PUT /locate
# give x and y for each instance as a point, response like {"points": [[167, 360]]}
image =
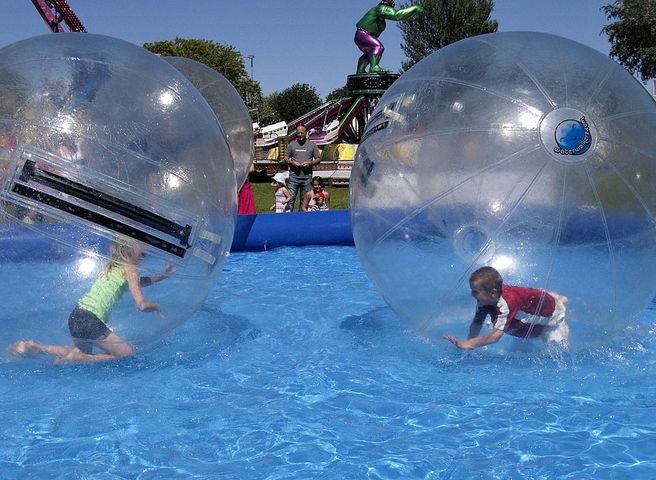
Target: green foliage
{"points": [[293, 101], [12, 98], [444, 22], [633, 35], [225, 59], [340, 92], [266, 115]]}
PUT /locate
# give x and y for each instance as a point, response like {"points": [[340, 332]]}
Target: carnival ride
{"points": [[339, 121], [59, 16], [342, 119]]}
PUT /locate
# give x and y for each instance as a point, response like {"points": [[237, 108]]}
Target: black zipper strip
{"points": [[103, 200], [98, 218]]}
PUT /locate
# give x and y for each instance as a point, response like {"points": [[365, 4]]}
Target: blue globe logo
{"points": [[572, 137]]}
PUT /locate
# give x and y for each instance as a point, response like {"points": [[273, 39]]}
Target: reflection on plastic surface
{"points": [[516, 150], [228, 107], [100, 142]]}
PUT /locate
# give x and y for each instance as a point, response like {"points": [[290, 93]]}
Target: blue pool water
{"points": [[295, 368]]}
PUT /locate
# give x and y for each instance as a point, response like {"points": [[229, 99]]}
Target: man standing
{"points": [[371, 26], [301, 155]]}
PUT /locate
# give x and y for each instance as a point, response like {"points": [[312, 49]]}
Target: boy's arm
{"points": [[474, 330], [478, 341]]}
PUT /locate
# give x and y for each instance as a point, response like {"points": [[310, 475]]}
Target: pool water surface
{"points": [[296, 368]]}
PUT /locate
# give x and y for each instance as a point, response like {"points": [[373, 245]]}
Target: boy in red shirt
{"points": [[518, 311]]}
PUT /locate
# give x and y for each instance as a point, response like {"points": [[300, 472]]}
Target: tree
{"points": [[444, 22], [340, 92], [294, 101], [265, 114], [633, 35], [225, 59]]}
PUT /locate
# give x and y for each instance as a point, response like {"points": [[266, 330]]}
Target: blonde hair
{"points": [[119, 254]]}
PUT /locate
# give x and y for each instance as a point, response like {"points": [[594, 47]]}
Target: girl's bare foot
{"points": [[27, 347]]}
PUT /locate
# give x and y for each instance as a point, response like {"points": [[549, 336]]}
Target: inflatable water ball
{"points": [[228, 107], [524, 151], [103, 144]]}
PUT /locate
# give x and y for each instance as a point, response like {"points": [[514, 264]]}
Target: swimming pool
{"points": [[295, 368]]}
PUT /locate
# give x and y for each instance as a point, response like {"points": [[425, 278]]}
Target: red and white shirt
{"points": [[520, 311]]}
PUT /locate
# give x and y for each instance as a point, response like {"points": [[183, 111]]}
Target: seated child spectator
{"points": [[281, 194], [518, 311], [319, 203], [309, 199]]}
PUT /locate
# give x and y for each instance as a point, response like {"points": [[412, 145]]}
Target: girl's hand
{"points": [[148, 306], [154, 307]]}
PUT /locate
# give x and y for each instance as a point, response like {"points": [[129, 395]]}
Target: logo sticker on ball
{"points": [[573, 137], [568, 135]]}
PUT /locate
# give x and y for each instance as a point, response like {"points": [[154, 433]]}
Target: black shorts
{"points": [[86, 328]]}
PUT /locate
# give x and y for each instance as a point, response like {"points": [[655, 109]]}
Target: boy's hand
{"points": [[463, 344]]}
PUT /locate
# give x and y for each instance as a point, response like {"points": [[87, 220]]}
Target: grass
{"points": [[263, 193]]}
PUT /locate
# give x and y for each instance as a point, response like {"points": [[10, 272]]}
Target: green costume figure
{"points": [[371, 26]]}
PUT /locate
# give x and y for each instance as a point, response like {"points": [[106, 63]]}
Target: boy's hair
{"points": [[488, 278]]}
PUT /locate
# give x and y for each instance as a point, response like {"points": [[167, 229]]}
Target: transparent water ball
{"points": [[100, 142], [229, 108], [524, 151]]}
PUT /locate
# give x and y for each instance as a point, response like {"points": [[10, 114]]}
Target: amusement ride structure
{"points": [[340, 121], [343, 120], [336, 123], [59, 16]]}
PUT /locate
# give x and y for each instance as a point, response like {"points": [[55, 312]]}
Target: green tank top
{"points": [[108, 288]]}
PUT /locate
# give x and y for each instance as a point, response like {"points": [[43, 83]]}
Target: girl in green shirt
{"points": [[87, 322]]}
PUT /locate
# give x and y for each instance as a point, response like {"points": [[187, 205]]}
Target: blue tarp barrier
{"points": [[297, 229], [252, 233]]}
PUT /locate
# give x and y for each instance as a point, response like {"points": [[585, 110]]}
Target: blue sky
{"points": [[293, 42]]}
